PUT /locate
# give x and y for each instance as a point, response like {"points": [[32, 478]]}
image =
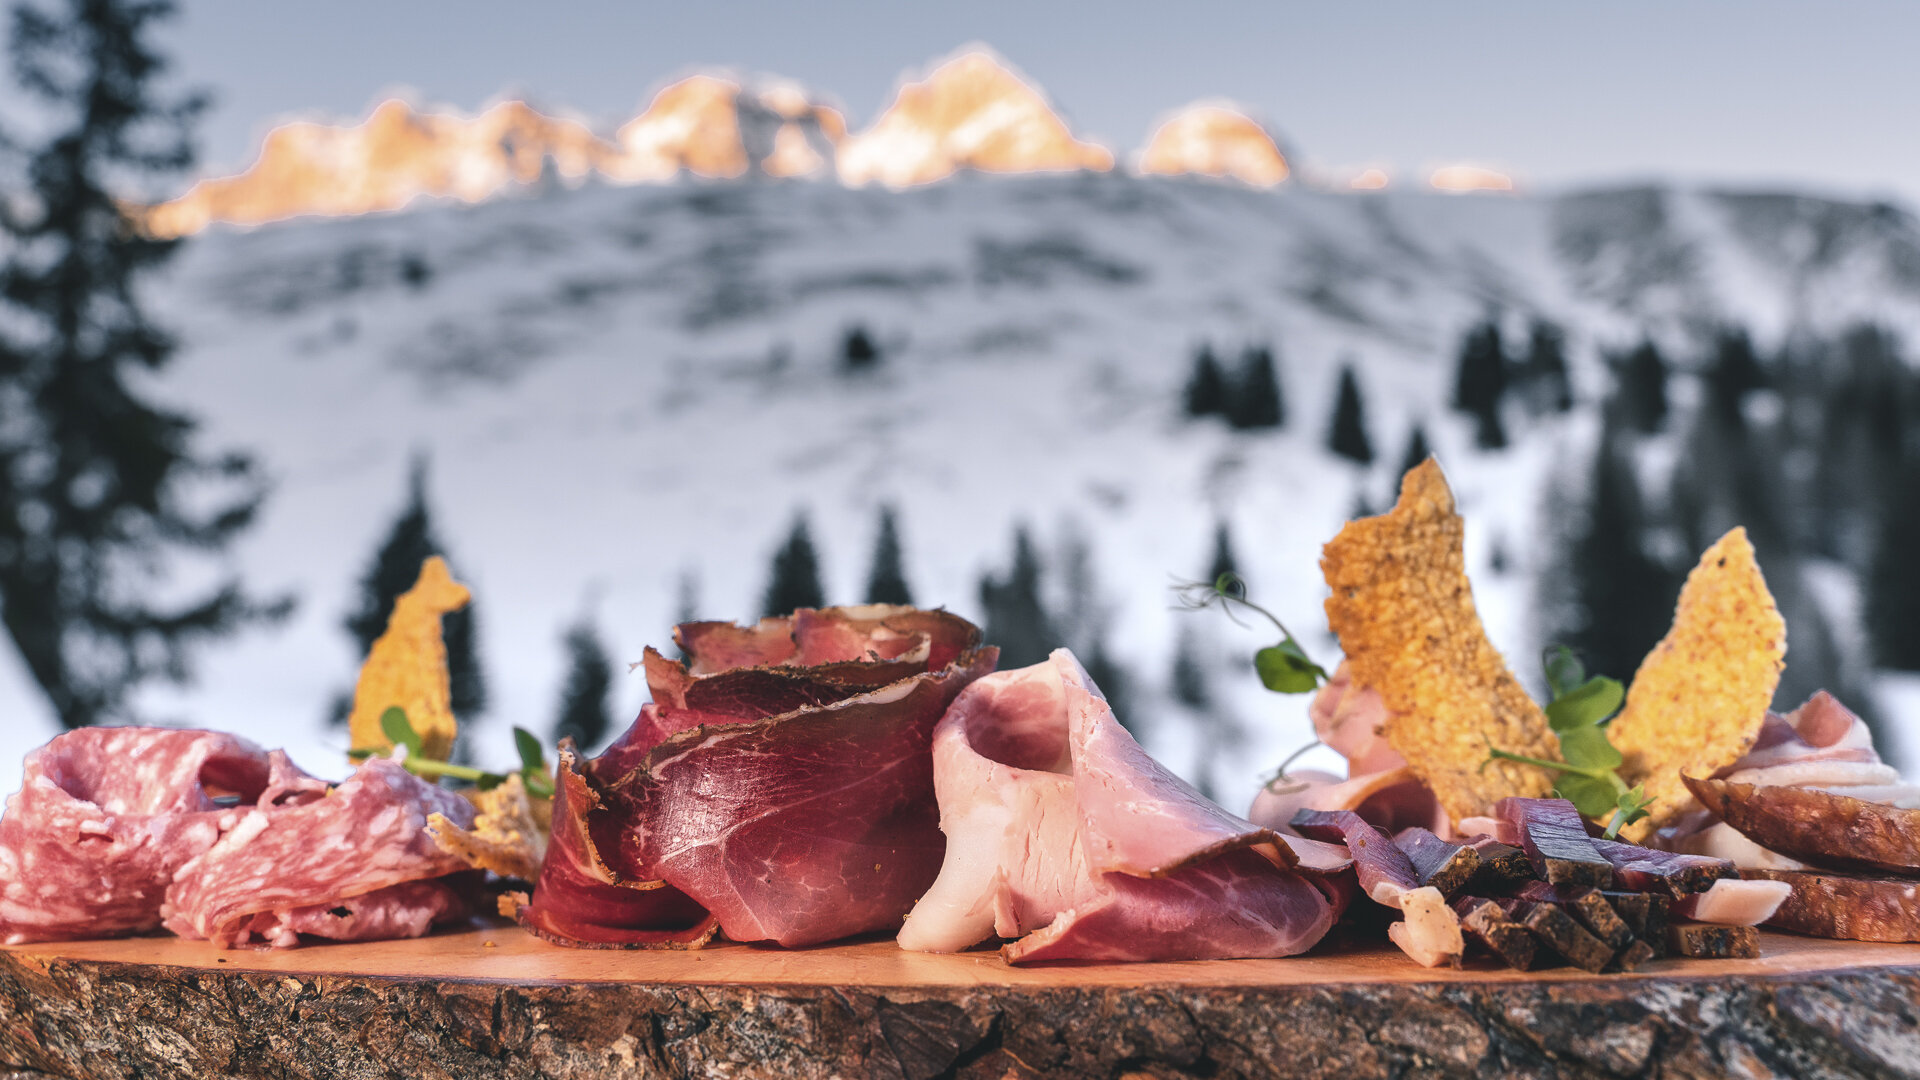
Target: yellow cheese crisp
{"points": [[407, 667]]}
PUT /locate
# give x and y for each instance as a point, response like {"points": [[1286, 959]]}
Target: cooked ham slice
{"points": [[104, 818], [1352, 721], [1062, 829]]}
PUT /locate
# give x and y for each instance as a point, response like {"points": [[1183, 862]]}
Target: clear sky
{"points": [[1822, 93]]}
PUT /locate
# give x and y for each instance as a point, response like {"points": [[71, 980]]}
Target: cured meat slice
{"points": [[1489, 924], [1586, 904], [1734, 902], [779, 786], [1706, 941], [104, 818], [1817, 827], [1556, 929], [1846, 907], [1385, 872], [1060, 828], [1393, 799], [1554, 836], [367, 834], [1645, 869], [1445, 865], [1352, 720], [406, 910], [1502, 866]]}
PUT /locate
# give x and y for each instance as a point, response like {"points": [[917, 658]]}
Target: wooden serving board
{"points": [[491, 1001]]}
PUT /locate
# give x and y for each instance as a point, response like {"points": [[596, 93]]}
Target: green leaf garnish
{"points": [[1586, 705], [533, 758], [1588, 777], [1283, 667], [399, 730], [1564, 670]]}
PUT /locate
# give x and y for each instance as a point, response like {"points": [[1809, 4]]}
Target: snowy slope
{"points": [[619, 386]]}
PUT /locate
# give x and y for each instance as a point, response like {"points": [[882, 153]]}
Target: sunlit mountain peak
{"points": [[1215, 139], [1370, 179], [397, 154], [1469, 178], [970, 112], [715, 127]]}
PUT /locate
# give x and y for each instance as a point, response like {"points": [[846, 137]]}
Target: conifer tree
{"points": [[395, 567], [1206, 389], [1480, 380], [887, 580], [1550, 385], [585, 714], [1255, 401], [1016, 615], [1417, 450], [1734, 373], [1893, 589], [1223, 560], [1084, 619], [1348, 434], [858, 353], [1642, 396], [1622, 600], [100, 488], [795, 579], [1189, 681]]}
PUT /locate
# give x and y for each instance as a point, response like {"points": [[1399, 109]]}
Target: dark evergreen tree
{"points": [[795, 580], [1189, 681], [1255, 400], [100, 488], [1893, 583], [1084, 620], [1348, 434], [858, 352], [1417, 450], [395, 567], [1549, 384], [1642, 397], [887, 580], [1016, 615], [1734, 373], [1480, 383], [1206, 390], [1223, 560], [585, 711], [1621, 599]]}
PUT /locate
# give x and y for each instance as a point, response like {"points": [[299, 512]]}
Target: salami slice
{"points": [[406, 910], [104, 818], [310, 850]]}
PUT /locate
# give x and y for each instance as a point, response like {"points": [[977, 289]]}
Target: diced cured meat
{"points": [[1063, 833], [1445, 865], [1734, 902], [406, 910], [1841, 906], [1429, 930], [1489, 924], [1646, 915], [104, 818], [1587, 905], [1559, 931], [1645, 869], [1502, 866], [1384, 870], [1554, 836], [1706, 941], [781, 781], [1636, 954], [1817, 827], [368, 834]]}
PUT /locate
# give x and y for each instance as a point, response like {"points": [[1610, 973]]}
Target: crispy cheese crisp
{"points": [[1700, 696], [1403, 609], [506, 837], [407, 666]]}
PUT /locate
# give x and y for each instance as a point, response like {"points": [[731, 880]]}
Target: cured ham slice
{"points": [[311, 849], [104, 818], [1063, 832], [779, 786]]}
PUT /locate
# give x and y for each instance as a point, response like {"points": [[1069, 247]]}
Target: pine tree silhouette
{"points": [[1550, 386], [99, 487], [1622, 599], [858, 353], [1189, 681], [1223, 560], [795, 580], [887, 580], [585, 715], [1417, 450], [1016, 616], [1642, 396], [1734, 374], [1348, 435], [1255, 400], [1480, 383], [1206, 389], [1893, 592], [394, 569]]}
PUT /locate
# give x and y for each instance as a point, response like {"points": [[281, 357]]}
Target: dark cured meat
{"points": [[1554, 836], [1502, 866], [1384, 871], [1587, 905], [105, 816], [1636, 954], [1645, 914], [1558, 930], [366, 834], [791, 798], [1444, 865], [1646, 870], [1489, 924], [1817, 827], [1708, 941], [1850, 908]]}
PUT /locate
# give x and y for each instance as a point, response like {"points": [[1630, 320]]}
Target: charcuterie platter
{"points": [[493, 1001]]}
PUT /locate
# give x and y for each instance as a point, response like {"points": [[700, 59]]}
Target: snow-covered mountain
{"points": [[622, 387]]}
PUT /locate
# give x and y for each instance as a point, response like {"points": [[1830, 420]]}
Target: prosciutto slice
{"points": [[779, 787], [305, 846], [104, 818], [1062, 832]]}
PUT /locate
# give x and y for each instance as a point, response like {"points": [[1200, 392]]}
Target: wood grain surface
{"points": [[485, 1002]]}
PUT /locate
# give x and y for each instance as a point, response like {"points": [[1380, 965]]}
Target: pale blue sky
{"points": [[1824, 94]]}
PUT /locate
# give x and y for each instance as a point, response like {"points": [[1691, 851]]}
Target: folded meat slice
{"points": [[1817, 827], [104, 818], [406, 910], [779, 786], [1062, 829], [367, 834]]}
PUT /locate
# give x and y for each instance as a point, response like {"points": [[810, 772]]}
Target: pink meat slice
{"points": [[406, 910], [1352, 720], [367, 834], [104, 818]]}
